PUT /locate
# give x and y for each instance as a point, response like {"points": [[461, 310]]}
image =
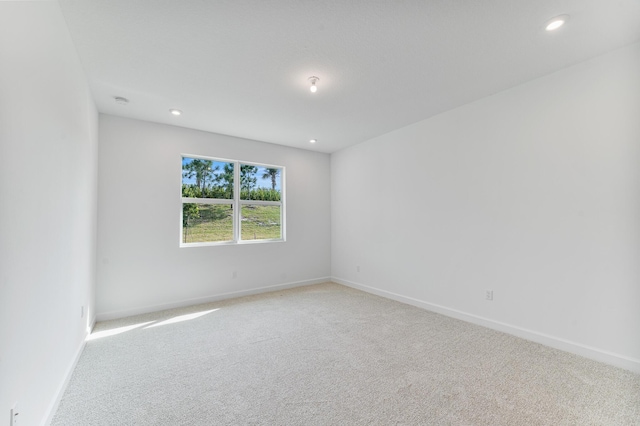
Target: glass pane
{"points": [[260, 222], [260, 183], [206, 222], [206, 178]]}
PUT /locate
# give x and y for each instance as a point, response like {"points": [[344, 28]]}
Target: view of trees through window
{"points": [[208, 199]]}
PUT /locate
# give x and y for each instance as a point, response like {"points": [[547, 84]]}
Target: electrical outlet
{"points": [[235, 274], [81, 311], [488, 294], [358, 268], [14, 417]]}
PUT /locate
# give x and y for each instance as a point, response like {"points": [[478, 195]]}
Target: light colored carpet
{"points": [[330, 355]]}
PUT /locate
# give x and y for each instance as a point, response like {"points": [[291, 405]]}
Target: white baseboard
{"points": [[617, 360], [105, 316], [53, 406]]}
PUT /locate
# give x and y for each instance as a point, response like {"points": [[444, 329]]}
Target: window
{"points": [[226, 201]]}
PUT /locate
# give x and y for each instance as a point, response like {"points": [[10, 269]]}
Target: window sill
{"points": [[231, 243]]}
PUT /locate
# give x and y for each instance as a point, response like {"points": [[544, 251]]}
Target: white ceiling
{"points": [[240, 67]]}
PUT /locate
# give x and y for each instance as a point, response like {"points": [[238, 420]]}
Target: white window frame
{"points": [[236, 202]]}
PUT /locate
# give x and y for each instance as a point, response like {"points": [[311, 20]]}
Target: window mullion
{"points": [[236, 201], [261, 203], [206, 200]]}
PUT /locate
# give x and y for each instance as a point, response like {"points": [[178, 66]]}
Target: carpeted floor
{"points": [[330, 355]]}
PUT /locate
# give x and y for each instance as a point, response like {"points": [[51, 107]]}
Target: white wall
{"points": [[140, 264], [48, 183], [533, 192]]}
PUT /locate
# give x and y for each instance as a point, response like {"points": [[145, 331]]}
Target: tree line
{"points": [[215, 182]]}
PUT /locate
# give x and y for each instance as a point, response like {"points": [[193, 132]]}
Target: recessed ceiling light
{"points": [[557, 22], [313, 80], [313, 141], [175, 111], [121, 101]]}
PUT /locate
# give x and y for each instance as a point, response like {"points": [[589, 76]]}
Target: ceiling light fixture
{"points": [[313, 80], [313, 141], [557, 22], [121, 101], [175, 111]]}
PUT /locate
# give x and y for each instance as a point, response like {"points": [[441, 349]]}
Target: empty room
{"points": [[319, 212]]}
